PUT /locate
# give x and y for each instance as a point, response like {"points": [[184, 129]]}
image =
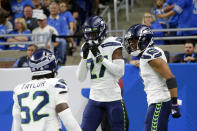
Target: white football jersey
{"points": [[36, 102], [104, 85], [155, 85]]}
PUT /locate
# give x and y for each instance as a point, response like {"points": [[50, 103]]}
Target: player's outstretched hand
{"points": [[175, 111], [85, 50]]}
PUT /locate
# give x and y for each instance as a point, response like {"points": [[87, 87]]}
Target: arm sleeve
{"points": [[16, 123], [69, 121], [82, 70], [116, 67]]}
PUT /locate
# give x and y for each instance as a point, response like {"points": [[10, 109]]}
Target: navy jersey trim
{"points": [[60, 86], [110, 44], [146, 57], [157, 55], [62, 81]]}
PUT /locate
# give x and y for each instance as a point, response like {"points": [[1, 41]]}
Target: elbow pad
{"points": [[116, 67], [82, 70], [69, 121]]}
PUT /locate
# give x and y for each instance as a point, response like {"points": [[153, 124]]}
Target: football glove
{"points": [[85, 50], [95, 51], [175, 111]]}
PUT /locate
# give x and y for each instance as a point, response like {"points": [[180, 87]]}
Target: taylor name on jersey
{"points": [[37, 100]]}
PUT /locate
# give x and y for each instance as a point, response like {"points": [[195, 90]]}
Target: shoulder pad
{"points": [[118, 39], [111, 44], [112, 39], [62, 81], [146, 57], [61, 84], [152, 51]]}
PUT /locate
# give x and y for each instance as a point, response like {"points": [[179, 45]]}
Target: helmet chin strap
{"points": [[137, 51]]}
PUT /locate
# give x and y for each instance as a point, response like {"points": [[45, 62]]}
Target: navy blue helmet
{"points": [[137, 39], [42, 62], [94, 28]]}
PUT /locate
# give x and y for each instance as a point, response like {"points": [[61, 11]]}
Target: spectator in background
{"points": [[39, 9], [172, 21], [5, 4], [20, 28], [75, 16], [189, 56], [168, 6], [43, 29], [66, 15], [149, 20], [24, 60], [86, 8], [17, 7], [46, 3], [8, 26], [158, 9], [76, 29], [58, 23], [3, 30], [31, 22], [187, 12]]}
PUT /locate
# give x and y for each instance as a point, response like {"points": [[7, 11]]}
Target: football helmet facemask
{"points": [[94, 29], [137, 39]]}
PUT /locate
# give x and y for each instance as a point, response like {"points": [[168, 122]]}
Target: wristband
{"points": [[174, 100]]}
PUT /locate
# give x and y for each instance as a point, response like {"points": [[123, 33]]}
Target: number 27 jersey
{"points": [[36, 102], [104, 85]]}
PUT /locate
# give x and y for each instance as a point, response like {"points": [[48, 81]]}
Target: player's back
{"points": [[37, 102]]}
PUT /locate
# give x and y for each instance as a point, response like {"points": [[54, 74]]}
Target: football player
{"points": [[39, 103], [160, 84], [102, 57]]}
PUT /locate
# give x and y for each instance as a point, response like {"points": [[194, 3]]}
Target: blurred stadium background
{"points": [[119, 15]]}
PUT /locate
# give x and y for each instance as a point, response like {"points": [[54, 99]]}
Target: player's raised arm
{"points": [[116, 67], [82, 68]]}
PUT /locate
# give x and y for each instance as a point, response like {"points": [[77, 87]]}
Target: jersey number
{"points": [[26, 109], [92, 70]]}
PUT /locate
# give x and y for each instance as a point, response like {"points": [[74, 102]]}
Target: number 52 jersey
{"points": [[35, 102]]}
